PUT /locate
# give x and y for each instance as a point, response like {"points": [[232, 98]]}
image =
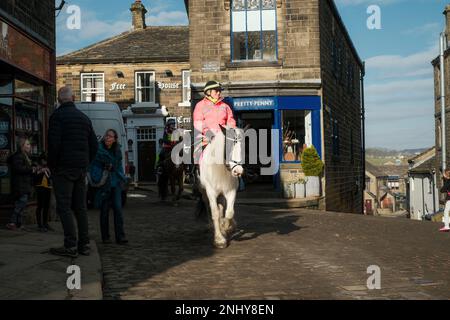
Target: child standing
{"points": [[43, 192]]}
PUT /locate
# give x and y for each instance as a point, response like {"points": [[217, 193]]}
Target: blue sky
{"points": [[399, 77]]}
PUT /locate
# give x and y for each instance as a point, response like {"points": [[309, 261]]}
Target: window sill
{"points": [[184, 104], [253, 64]]}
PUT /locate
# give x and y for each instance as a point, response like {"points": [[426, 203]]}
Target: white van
{"points": [[104, 116]]}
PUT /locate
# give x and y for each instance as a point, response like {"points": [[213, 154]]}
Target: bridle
{"points": [[231, 164]]}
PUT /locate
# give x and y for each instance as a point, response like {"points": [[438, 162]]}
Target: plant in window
{"points": [[311, 163]]}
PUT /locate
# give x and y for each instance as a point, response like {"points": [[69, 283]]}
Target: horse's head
{"points": [[233, 150]]}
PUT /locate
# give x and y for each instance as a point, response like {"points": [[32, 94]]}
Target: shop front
{"points": [[26, 79], [296, 119]]}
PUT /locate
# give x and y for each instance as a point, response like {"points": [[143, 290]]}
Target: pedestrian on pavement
{"points": [[72, 147], [209, 114], [22, 175], [43, 189], [446, 189], [109, 194]]}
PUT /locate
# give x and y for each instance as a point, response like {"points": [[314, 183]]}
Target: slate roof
{"points": [[425, 167], [376, 171], [152, 44]]}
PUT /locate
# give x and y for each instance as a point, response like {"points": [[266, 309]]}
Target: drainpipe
{"points": [[443, 132], [363, 133]]}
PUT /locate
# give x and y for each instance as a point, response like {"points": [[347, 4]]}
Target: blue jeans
{"points": [[114, 201], [19, 208]]}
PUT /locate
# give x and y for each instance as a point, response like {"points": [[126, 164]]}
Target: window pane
{"points": [[268, 20], [293, 134], [269, 43], [253, 4], [238, 4], [253, 21], [268, 4], [238, 21], [254, 45], [239, 51], [6, 86]]}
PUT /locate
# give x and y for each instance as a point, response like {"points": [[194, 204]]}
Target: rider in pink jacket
{"points": [[209, 114], [212, 112]]}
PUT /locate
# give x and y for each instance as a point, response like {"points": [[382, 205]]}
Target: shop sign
{"points": [[211, 66], [118, 86], [260, 103], [168, 85], [19, 50]]}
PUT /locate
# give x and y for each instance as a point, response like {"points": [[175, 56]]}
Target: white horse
{"points": [[220, 170]]}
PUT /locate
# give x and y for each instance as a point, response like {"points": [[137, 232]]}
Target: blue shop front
{"points": [[297, 120]]}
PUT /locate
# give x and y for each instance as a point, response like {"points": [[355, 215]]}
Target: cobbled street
{"points": [[278, 254]]}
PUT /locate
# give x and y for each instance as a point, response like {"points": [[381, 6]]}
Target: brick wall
{"points": [[343, 169], [171, 98]]}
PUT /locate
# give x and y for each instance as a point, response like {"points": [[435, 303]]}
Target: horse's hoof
{"points": [[221, 245]]}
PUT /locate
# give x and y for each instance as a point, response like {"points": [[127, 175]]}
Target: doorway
{"points": [[258, 120], [146, 161]]}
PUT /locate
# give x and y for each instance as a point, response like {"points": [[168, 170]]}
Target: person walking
{"points": [[43, 189], [72, 147], [446, 189], [109, 194], [22, 174]]}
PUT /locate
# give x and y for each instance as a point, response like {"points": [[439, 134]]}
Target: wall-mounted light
{"points": [[169, 73], [120, 74]]}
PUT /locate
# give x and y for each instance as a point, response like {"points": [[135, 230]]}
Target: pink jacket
{"points": [[209, 116]]}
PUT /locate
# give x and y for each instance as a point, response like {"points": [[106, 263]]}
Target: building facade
{"points": [[143, 70], [27, 78], [289, 66]]}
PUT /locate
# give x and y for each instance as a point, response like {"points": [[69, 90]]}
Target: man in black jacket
{"points": [[72, 147]]}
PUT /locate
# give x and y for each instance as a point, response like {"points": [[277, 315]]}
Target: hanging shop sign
{"points": [[22, 52]]}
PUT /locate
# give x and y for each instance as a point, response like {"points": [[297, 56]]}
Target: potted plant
{"points": [[312, 167], [300, 188], [289, 187]]}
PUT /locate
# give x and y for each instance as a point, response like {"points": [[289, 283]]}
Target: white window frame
{"points": [[186, 89], [146, 134], [137, 87], [100, 95]]}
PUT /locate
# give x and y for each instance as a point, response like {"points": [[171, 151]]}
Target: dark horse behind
{"points": [[171, 173]]}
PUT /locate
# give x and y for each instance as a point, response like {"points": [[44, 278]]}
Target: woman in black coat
{"points": [[22, 178]]}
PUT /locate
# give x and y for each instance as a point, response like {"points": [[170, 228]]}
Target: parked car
{"points": [[104, 116]]}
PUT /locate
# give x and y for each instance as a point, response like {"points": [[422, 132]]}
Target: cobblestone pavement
{"points": [[279, 254]]}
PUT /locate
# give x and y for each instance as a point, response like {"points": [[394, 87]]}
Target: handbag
{"points": [[95, 182]]}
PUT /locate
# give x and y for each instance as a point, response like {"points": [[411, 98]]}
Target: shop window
{"points": [[29, 91], [254, 32], [5, 147], [6, 86], [92, 87], [145, 86], [294, 134], [186, 86], [28, 124]]}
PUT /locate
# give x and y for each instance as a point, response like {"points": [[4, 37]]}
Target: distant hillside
{"points": [[388, 153]]}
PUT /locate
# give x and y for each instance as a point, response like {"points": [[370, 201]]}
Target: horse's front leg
{"points": [[229, 224], [219, 239]]}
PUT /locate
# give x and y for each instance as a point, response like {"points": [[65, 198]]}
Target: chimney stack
{"points": [[447, 20], [138, 12]]}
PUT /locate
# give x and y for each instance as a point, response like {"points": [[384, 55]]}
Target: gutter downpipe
{"points": [[443, 115], [363, 134]]}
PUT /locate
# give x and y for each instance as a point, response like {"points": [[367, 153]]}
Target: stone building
{"points": [[437, 101], [142, 70], [146, 64], [288, 65], [27, 79]]}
